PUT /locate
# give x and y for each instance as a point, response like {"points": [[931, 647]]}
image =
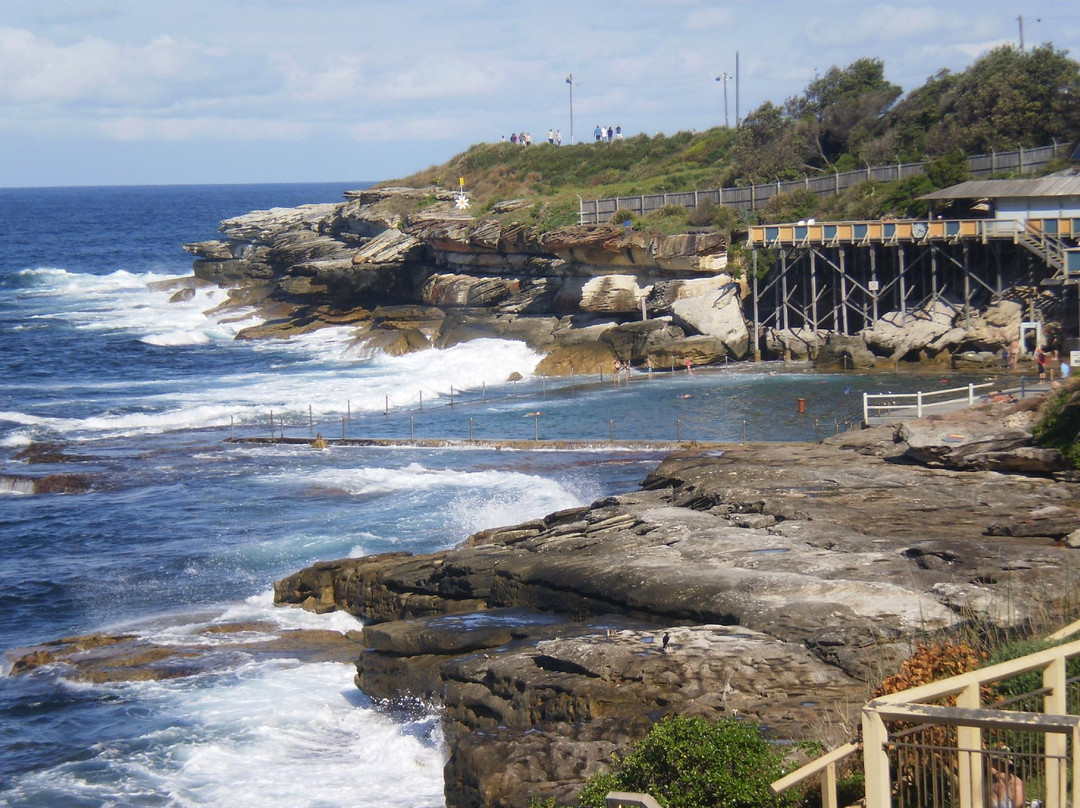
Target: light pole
{"points": [[724, 78], [570, 81]]}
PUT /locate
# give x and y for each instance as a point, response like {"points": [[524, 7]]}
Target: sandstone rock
{"points": [[844, 353], [975, 446], [717, 315], [689, 252], [799, 344], [585, 358], [265, 226], [425, 319], [633, 342], [605, 245], [672, 354], [897, 334], [665, 292], [389, 247]]}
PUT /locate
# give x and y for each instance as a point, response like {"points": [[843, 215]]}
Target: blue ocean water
{"points": [[183, 529]]}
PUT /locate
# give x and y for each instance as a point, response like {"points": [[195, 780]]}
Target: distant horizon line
{"points": [[358, 184]]}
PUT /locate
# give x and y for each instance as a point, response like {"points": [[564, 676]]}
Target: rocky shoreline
{"points": [[773, 581], [406, 271]]}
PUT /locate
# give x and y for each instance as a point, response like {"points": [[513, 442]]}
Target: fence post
{"points": [[866, 408], [875, 761], [412, 427], [310, 421], [918, 404], [971, 394], [343, 427]]}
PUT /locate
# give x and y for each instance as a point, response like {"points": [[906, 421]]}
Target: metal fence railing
{"points": [[1005, 735], [751, 197]]}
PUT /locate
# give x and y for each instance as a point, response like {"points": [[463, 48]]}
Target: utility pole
{"points": [[1020, 20], [737, 119], [724, 78], [570, 81]]}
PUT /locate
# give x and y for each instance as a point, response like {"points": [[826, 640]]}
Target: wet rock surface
{"points": [[785, 578]]}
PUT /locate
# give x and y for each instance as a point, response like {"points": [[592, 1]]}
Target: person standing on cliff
{"points": [[1040, 360], [1014, 353], [551, 137], [597, 133]]}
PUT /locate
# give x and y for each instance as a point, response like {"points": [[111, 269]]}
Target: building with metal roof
{"points": [[1055, 196]]}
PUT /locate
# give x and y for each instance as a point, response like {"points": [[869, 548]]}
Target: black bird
{"points": [[666, 640]]}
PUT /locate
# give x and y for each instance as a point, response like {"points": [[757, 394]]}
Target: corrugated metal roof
{"points": [[1061, 184]]}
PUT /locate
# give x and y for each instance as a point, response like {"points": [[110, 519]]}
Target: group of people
{"points": [[554, 136], [602, 133]]}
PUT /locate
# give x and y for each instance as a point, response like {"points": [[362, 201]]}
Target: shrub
{"points": [[555, 214], [1058, 426], [695, 763]]}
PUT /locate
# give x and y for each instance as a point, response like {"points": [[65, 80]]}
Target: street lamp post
{"points": [[724, 78], [570, 81]]}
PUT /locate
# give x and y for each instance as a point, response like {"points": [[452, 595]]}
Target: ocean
{"points": [[183, 530]]}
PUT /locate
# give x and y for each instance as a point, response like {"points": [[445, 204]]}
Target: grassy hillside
{"points": [[847, 118]]}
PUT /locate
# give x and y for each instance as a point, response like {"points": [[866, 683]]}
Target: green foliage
{"points": [[1058, 426], [622, 216], [667, 220], [1006, 99], [791, 207], [948, 169], [556, 213], [694, 763], [847, 118]]}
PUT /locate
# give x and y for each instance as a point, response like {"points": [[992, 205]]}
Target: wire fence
{"points": [[752, 197]]}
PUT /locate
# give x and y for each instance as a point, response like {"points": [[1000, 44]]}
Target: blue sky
{"points": [[117, 92]]}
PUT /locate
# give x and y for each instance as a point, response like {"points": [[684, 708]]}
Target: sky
{"points": [[148, 92]]}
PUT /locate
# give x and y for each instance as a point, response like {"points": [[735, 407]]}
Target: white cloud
{"points": [[94, 71]]}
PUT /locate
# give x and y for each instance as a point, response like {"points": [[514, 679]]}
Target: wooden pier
{"points": [[842, 276]]}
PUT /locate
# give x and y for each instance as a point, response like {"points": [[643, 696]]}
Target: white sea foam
{"points": [[268, 734], [126, 301]]}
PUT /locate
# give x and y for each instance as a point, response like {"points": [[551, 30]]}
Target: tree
{"points": [[695, 763], [1006, 99], [842, 109]]}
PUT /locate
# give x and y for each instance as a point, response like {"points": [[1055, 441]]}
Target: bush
{"points": [[1058, 426], [694, 763]]}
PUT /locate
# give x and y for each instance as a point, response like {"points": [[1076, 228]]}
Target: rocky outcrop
{"points": [[386, 248], [769, 580], [408, 246]]}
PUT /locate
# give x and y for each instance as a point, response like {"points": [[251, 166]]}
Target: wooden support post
{"points": [[1054, 703], [969, 765], [967, 284], [843, 295], [757, 319], [901, 284], [783, 289], [813, 291], [874, 288], [933, 276], [875, 761]]}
